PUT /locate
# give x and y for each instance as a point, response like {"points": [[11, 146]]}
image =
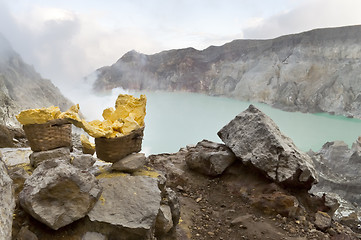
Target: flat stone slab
{"points": [[128, 205], [15, 156]]}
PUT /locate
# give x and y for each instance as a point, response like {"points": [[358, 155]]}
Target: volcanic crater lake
{"points": [[177, 119]]}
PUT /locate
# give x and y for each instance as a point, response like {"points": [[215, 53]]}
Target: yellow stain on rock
{"points": [[102, 200], [111, 174], [26, 166], [149, 173]]}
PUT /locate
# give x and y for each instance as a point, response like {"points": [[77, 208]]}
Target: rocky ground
{"points": [[204, 191], [242, 204]]}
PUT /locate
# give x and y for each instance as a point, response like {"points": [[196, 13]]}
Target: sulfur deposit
{"points": [[128, 115], [38, 116], [86, 143]]}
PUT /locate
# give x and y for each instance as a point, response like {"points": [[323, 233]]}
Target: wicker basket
{"points": [[53, 134], [114, 149]]}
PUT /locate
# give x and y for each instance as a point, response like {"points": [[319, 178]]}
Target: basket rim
{"points": [[115, 138], [58, 121]]}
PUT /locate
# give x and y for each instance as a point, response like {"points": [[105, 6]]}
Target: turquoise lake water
{"points": [[175, 120]]}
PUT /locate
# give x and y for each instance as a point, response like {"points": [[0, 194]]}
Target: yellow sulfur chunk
{"points": [[121, 112], [97, 128], [86, 143], [72, 113], [108, 114], [129, 125], [117, 126], [38, 116], [128, 110], [130, 105]]}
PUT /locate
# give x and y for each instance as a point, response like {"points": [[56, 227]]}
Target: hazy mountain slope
{"points": [[314, 71], [21, 87]]}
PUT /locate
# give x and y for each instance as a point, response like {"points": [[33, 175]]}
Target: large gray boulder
{"points": [[57, 193], [257, 140], [7, 203], [209, 158], [128, 207]]}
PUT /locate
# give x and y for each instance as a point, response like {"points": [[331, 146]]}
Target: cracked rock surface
{"points": [[257, 140]]}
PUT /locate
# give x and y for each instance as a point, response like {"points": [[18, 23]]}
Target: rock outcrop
{"points": [[57, 193], [339, 169], [339, 179], [257, 141], [22, 87], [315, 71], [7, 203]]}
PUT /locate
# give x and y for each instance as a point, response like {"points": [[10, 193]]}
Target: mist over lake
{"points": [[177, 119]]}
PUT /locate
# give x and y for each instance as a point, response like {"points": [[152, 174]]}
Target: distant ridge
{"points": [[313, 71], [21, 87]]}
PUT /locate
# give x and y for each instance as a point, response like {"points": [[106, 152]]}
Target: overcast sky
{"points": [[68, 39]]}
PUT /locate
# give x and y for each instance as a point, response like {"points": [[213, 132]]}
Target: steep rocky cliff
{"points": [[22, 87], [315, 71]]}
